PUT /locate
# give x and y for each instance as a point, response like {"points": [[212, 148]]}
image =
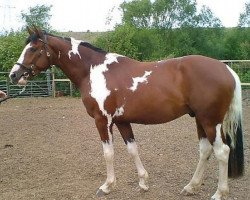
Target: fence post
{"points": [[71, 88], [8, 86], [48, 76], [53, 83]]}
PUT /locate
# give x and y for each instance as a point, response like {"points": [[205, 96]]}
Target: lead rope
{"points": [[13, 96]]}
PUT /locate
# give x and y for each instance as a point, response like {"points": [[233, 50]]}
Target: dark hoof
{"points": [[100, 193]]}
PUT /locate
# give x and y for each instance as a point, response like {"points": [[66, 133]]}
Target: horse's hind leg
{"points": [[128, 137], [221, 151], [205, 152]]}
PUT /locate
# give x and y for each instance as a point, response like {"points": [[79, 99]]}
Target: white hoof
{"points": [[220, 195], [100, 193], [143, 182]]}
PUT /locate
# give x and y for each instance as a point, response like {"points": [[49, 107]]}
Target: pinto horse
{"points": [[118, 90]]}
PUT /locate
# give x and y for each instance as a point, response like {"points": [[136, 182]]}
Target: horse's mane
{"points": [[34, 37]]}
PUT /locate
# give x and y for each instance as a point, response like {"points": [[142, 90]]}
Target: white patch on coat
{"points": [[99, 90], [138, 80], [160, 61], [74, 49], [21, 59], [98, 83], [119, 111]]}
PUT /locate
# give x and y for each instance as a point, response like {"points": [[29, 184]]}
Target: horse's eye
{"points": [[33, 49]]}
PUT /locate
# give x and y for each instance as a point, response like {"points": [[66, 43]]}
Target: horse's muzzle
{"points": [[20, 80], [13, 78]]}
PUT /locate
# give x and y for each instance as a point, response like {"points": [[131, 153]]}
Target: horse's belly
{"points": [[154, 114]]}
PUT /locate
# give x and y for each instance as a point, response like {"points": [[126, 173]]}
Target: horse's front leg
{"points": [[128, 137], [104, 127]]}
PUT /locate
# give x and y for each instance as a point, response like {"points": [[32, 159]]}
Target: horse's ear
{"points": [[38, 32], [30, 31]]}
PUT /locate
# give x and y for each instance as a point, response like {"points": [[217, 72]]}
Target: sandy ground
{"points": [[50, 149]]}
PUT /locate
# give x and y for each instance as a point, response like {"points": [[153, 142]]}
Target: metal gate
{"points": [[40, 87]]}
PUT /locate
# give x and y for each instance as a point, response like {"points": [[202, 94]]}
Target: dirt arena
{"points": [[50, 149]]}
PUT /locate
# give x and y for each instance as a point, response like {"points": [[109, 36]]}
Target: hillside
{"points": [[85, 36]]}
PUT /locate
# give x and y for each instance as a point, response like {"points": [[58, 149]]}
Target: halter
{"points": [[32, 68]]}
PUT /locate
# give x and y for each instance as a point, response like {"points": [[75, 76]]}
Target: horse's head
{"points": [[34, 58]]}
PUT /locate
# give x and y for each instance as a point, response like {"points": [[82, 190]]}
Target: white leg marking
{"points": [[138, 80], [142, 173], [109, 158], [222, 153], [195, 183]]}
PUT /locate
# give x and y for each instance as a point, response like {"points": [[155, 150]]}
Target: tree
{"points": [[167, 14], [206, 18], [120, 41], [137, 13], [244, 20], [38, 16]]}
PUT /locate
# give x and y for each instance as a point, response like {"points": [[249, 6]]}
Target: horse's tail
{"points": [[232, 127]]}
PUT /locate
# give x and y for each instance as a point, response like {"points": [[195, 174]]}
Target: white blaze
{"points": [[21, 59], [138, 80], [74, 49]]}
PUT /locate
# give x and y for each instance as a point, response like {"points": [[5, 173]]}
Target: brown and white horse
{"points": [[118, 90]]}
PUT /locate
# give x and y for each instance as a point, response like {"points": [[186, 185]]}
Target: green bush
{"points": [[11, 46]]}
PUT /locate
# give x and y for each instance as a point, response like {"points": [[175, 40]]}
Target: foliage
{"points": [[154, 44], [121, 41], [237, 43], [38, 15], [167, 14], [153, 30], [244, 20], [243, 70], [11, 46]]}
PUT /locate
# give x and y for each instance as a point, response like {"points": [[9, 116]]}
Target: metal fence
{"points": [[42, 86], [54, 83], [242, 68]]}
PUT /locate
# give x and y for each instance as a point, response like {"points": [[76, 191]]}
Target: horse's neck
{"points": [[75, 64]]}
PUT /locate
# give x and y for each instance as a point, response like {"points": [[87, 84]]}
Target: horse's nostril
{"points": [[13, 75]]}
